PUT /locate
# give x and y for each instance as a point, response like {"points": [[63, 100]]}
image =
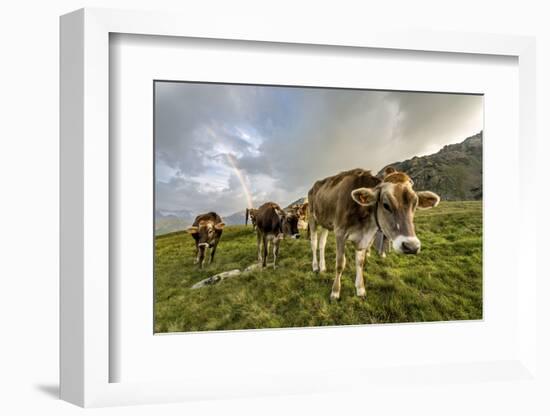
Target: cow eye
{"points": [[387, 207]]}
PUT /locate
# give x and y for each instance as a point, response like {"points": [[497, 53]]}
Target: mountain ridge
{"points": [[454, 172]]}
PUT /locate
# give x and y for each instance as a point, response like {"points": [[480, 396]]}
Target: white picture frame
{"points": [[85, 355]]}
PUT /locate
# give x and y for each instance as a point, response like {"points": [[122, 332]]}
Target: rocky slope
{"points": [[455, 172]]}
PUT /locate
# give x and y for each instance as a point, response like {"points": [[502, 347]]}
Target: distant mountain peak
{"points": [[454, 172], [297, 202]]}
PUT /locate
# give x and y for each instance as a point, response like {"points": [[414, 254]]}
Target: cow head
{"points": [[300, 211], [394, 203], [207, 232], [290, 224], [251, 212]]}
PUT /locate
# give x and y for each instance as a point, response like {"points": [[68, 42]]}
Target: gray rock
{"points": [[217, 278]]}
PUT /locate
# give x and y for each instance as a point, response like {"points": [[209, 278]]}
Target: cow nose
{"points": [[410, 247]]}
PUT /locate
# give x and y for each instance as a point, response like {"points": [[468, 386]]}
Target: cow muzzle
{"points": [[204, 245], [406, 245]]}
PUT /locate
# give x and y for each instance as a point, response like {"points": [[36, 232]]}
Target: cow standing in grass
{"points": [[206, 230], [272, 223], [355, 205]]}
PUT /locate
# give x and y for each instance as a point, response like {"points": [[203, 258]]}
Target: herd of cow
{"points": [[355, 205]]}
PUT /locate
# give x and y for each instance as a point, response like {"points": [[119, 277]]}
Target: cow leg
{"points": [[387, 247], [212, 252], [340, 266], [259, 245], [384, 248], [196, 252], [313, 239], [276, 243], [359, 281], [264, 257], [322, 245], [201, 256]]}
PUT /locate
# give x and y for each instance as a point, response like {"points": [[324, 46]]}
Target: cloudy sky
{"points": [[223, 147]]}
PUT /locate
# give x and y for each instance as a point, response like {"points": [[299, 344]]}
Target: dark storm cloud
{"points": [[283, 139]]}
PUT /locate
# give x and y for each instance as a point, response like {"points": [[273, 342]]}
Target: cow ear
{"points": [[427, 199], [192, 230], [389, 170], [219, 226], [364, 196]]}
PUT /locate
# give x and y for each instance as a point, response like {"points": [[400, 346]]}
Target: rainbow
{"points": [[233, 162]]}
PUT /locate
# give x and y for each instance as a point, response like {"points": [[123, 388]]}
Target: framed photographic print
{"points": [[268, 212], [237, 198]]}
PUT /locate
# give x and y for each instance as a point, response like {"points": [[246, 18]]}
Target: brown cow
{"points": [[272, 223], [355, 205], [206, 230]]}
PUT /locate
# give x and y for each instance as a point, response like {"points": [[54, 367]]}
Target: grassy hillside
{"points": [[164, 225], [443, 282]]}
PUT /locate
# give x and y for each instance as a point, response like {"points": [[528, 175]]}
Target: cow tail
{"points": [[246, 217]]}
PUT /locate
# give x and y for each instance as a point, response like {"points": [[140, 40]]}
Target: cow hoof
{"points": [[362, 293], [322, 270], [334, 297]]}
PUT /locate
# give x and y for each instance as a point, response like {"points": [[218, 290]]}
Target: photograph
{"points": [[297, 206]]}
